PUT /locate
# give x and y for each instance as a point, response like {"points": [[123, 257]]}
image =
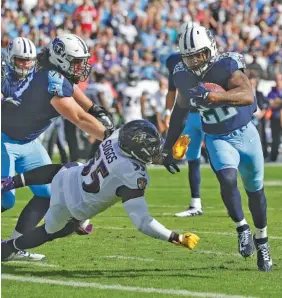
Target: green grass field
{"points": [[118, 261]]}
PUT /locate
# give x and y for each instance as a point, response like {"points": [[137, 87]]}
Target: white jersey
{"points": [[90, 189], [131, 106]]}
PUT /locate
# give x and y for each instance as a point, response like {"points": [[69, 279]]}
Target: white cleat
{"points": [[24, 255], [191, 211]]}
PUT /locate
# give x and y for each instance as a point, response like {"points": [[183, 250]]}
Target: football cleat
{"points": [[245, 241], [264, 260], [24, 255], [191, 211]]}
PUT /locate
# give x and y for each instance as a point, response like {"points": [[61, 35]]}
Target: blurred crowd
{"points": [[137, 36]]}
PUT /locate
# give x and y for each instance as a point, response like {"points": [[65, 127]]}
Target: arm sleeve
{"points": [[176, 125], [58, 85], [171, 85], [138, 212], [40, 175]]}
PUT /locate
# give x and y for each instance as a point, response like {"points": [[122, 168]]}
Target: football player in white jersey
{"points": [[117, 172], [130, 97]]}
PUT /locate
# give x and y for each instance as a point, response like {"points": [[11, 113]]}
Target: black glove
{"points": [[169, 162], [102, 115]]}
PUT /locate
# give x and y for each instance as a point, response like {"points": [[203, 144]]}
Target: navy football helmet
{"points": [[139, 139]]}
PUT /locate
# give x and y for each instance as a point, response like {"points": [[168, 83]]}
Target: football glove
{"points": [[11, 100], [7, 184], [168, 162], [199, 96], [180, 147], [102, 115], [189, 240]]}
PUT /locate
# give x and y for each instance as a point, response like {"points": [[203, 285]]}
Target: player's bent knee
{"points": [[227, 178], [253, 185], [8, 200], [42, 191]]}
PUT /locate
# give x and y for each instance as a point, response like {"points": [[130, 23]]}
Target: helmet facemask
{"points": [[79, 69], [22, 66], [198, 61]]}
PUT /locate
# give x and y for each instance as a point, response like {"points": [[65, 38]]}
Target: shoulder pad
{"points": [[172, 60], [235, 57], [134, 175], [58, 85]]}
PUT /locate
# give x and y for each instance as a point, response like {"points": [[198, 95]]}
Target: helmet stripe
{"points": [[185, 40], [83, 45], [30, 46], [24, 45], [192, 39]]}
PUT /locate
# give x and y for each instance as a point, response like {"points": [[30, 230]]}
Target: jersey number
{"points": [[129, 101], [217, 115], [94, 186]]}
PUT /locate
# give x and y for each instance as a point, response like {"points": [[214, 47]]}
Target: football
{"points": [[214, 87]]}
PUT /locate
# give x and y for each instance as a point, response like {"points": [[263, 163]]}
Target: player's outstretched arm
{"points": [[240, 93], [179, 113], [71, 110], [37, 176], [170, 98], [136, 207]]}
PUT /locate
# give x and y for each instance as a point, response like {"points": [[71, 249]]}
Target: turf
{"points": [[117, 254]]}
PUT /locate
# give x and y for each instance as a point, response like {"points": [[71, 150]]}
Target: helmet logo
{"points": [[210, 36], [10, 46], [141, 183], [140, 137], [58, 46]]}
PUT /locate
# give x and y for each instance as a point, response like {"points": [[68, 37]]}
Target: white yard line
{"points": [[117, 287], [129, 258], [273, 183], [180, 230], [198, 251]]}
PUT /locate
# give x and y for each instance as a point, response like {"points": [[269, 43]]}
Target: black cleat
{"points": [[245, 241], [264, 260]]}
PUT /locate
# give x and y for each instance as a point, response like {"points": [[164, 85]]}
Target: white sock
{"points": [[15, 235], [241, 223], [261, 233], [196, 203]]}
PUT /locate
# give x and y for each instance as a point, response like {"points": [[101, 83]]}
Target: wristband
{"points": [[174, 237], [167, 112]]}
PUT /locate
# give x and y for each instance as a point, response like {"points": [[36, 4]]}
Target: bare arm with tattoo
{"points": [[240, 93]]}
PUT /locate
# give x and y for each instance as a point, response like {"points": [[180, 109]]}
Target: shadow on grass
{"points": [[21, 269]]}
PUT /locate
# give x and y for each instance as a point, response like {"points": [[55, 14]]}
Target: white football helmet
{"points": [[183, 27], [197, 47], [69, 53], [21, 56]]}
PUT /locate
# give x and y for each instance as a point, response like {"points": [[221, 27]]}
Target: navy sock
{"points": [[194, 177], [39, 236], [258, 206], [230, 193], [32, 213]]}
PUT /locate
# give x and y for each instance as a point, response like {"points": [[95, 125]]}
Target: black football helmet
{"points": [[139, 139], [133, 78]]}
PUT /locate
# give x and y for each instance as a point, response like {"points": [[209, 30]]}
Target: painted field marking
{"points": [[180, 230], [117, 287]]}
